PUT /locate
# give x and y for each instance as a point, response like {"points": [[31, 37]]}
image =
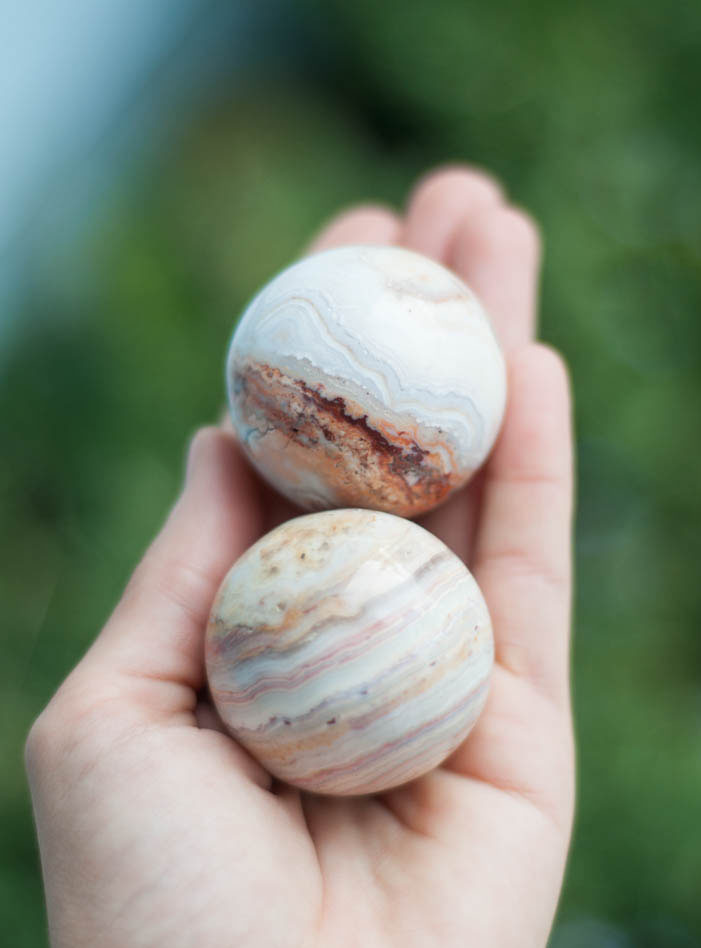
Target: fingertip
{"points": [[214, 454], [543, 353], [551, 362], [201, 449], [440, 200], [360, 224], [225, 421], [496, 237], [539, 373], [456, 179]]}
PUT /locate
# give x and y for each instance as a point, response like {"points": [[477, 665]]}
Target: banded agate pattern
{"points": [[349, 651], [366, 376]]}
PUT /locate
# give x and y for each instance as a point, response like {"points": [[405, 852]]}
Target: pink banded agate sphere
{"points": [[366, 376], [349, 651]]}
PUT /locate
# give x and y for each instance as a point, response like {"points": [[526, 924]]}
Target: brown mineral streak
{"points": [[265, 390]]}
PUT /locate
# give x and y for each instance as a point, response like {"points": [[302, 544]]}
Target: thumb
{"points": [[153, 642]]}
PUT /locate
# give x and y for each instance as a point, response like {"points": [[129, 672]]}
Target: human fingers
{"points": [[437, 206], [522, 556], [153, 640], [459, 215], [439, 203], [364, 224], [496, 251]]}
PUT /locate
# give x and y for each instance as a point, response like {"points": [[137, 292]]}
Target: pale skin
{"points": [[156, 829]]}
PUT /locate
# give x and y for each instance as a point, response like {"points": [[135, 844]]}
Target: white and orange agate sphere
{"points": [[349, 651], [366, 376]]}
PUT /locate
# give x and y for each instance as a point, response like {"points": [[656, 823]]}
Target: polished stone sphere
{"points": [[349, 651], [366, 376]]}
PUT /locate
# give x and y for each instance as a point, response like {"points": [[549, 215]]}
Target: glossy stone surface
{"points": [[366, 377], [349, 651]]}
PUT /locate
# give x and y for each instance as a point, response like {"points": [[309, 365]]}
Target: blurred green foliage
{"points": [[589, 114]]}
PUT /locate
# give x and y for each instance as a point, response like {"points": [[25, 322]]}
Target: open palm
{"points": [[155, 828]]}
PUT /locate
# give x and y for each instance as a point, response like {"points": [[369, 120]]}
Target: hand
{"points": [[155, 828]]}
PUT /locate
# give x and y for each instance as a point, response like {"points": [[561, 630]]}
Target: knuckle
{"points": [[49, 731], [39, 741], [519, 565], [65, 730], [186, 587]]}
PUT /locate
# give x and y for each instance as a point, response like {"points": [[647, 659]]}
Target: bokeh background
{"points": [[159, 161]]}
